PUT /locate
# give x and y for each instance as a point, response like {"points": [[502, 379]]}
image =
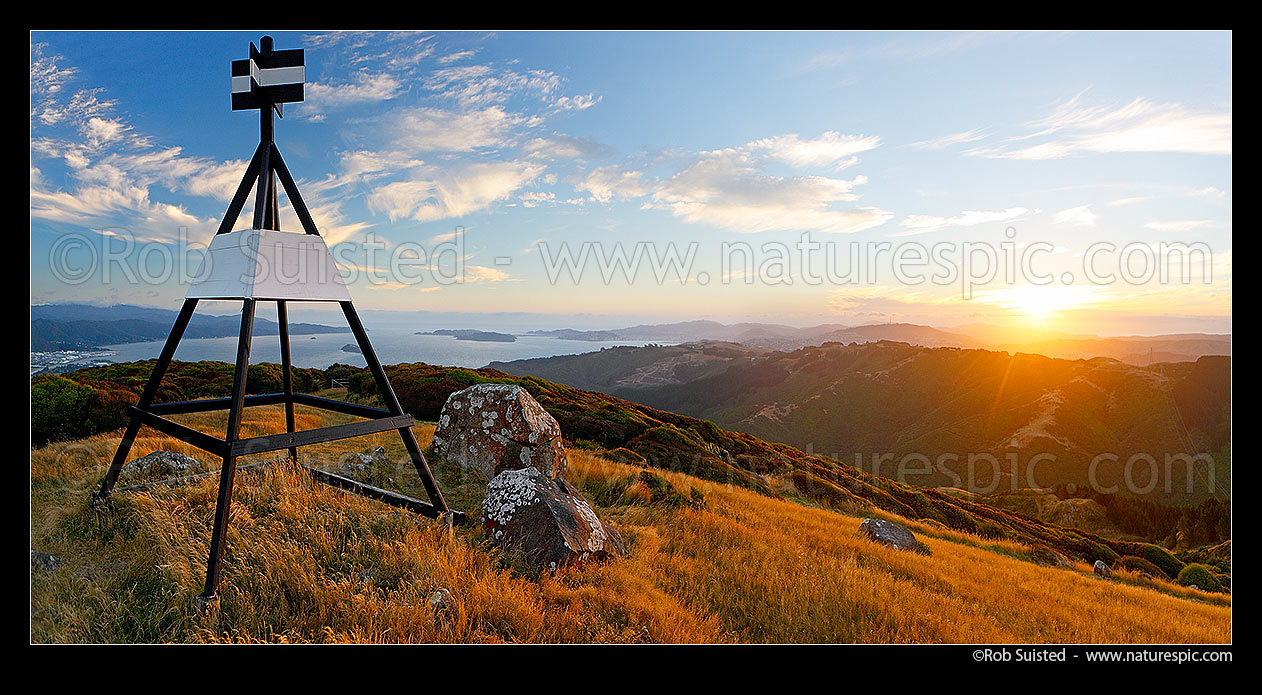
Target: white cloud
{"points": [[453, 57], [1179, 225], [483, 85], [831, 149], [921, 224], [578, 102], [427, 129], [361, 88], [1127, 201], [612, 182], [481, 273], [726, 190], [1080, 216], [536, 198], [437, 194]]}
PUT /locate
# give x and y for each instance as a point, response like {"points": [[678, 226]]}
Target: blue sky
{"points": [[703, 141]]}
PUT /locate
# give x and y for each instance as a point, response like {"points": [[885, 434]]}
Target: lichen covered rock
{"points": [[891, 534], [1102, 570], [364, 467], [499, 427], [546, 521], [159, 465]]}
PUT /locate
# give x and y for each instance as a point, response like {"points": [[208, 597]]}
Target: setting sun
{"points": [[1042, 303]]}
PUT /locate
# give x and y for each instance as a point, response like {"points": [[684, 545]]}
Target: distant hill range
{"points": [[1139, 350], [857, 402], [84, 326]]}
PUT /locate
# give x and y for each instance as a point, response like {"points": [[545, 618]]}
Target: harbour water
{"points": [[393, 346]]}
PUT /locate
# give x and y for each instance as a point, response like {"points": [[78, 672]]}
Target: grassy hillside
{"points": [[621, 370], [308, 563], [857, 402], [668, 441]]}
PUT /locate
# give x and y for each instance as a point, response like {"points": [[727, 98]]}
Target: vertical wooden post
{"points": [[286, 371], [262, 202], [147, 396], [392, 404], [228, 472]]}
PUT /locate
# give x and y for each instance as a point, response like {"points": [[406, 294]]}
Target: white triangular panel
{"points": [[268, 264]]}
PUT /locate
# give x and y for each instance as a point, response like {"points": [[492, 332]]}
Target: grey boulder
{"points": [[161, 464], [891, 534], [546, 521], [499, 427], [1102, 570]]}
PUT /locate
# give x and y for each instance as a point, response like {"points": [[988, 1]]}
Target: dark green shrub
{"points": [[624, 455], [263, 378], [107, 410], [1160, 557], [1139, 564], [362, 384], [59, 408], [662, 491], [1200, 576]]}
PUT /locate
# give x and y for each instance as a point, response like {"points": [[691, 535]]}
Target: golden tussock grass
{"points": [[309, 563]]}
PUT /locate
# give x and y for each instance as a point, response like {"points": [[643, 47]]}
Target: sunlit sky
{"points": [[525, 141]]}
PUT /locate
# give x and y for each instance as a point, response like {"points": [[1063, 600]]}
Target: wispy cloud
{"points": [[1139, 126], [944, 141], [436, 194], [362, 87], [730, 189], [1179, 225], [605, 184], [561, 146], [455, 57], [726, 189], [1119, 202]]}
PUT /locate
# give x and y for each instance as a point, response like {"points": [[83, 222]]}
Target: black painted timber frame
{"points": [[267, 169]]}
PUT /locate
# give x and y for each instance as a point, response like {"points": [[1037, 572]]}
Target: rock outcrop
{"points": [[499, 427], [44, 562], [363, 467], [1102, 570], [891, 534], [442, 606], [545, 521], [161, 464]]}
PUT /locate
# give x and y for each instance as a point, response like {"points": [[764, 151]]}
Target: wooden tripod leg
{"points": [[228, 472], [392, 404], [147, 396], [286, 369]]}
